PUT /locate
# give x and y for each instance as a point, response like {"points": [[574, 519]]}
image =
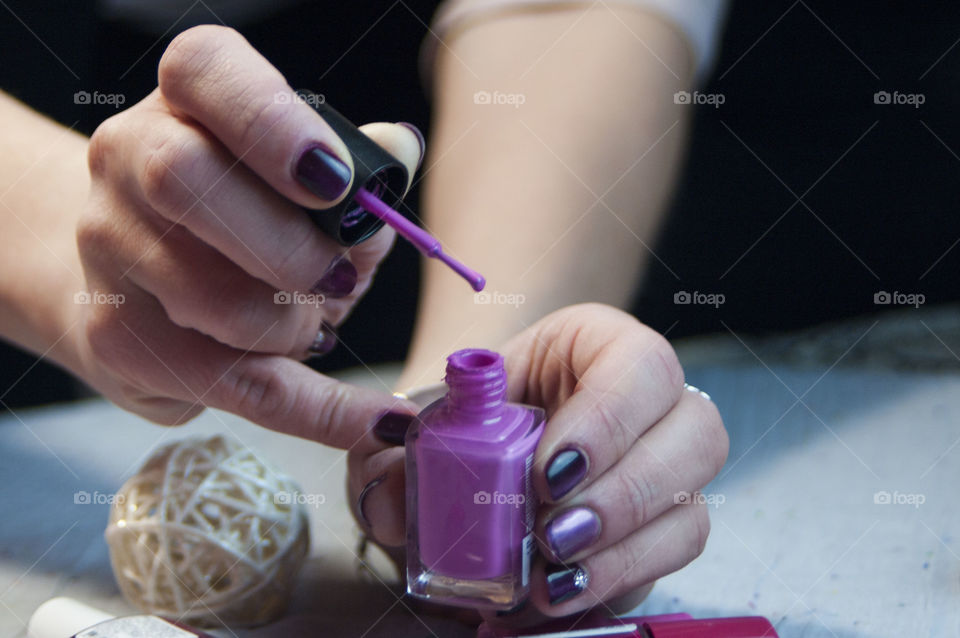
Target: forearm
{"points": [[43, 182], [555, 201]]}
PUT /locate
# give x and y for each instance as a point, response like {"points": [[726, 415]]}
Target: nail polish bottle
{"points": [[470, 500]]}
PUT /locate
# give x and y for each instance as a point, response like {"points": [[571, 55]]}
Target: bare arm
{"points": [[556, 200], [43, 179]]}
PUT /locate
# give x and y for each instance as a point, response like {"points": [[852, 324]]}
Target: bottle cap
{"points": [[373, 168]]}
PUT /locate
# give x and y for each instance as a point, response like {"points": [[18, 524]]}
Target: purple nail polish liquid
{"points": [[470, 501]]}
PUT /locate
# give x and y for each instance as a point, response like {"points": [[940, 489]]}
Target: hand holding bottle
{"points": [[623, 438]]}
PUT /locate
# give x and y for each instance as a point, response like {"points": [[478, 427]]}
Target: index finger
{"points": [[212, 74]]}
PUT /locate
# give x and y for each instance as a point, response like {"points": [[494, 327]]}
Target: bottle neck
{"points": [[477, 383]]}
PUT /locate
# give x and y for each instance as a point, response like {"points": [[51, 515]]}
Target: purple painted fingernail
{"points": [[391, 427], [563, 583], [420, 139], [325, 340], [565, 470], [363, 495], [572, 531], [322, 172], [338, 280]]}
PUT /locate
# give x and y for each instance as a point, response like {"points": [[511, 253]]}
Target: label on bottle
{"points": [[528, 549], [531, 502], [529, 496], [135, 627]]}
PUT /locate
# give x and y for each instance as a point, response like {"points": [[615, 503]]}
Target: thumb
{"points": [[403, 141]]}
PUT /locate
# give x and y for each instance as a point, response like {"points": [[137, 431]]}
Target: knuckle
{"points": [[638, 493], [239, 320], [190, 57], [102, 146], [94, 237], [713, 437], [290, 266], [700, 530], [106, 339], [335, 409], [663, 363], [164, 172], [257, 391], [612, 431]]}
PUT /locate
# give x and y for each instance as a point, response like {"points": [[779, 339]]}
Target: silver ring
{"points": [[696, 390]]}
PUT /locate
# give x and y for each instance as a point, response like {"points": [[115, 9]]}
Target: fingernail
{"points": [[338, 280], [572, 531], [322, 172], [325, 341], [391, 427], [420, 139], [513, 610], [563, 583], [565, 470], [363, 495]]}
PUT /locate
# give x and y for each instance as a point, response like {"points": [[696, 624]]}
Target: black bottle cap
{"points": [[373, 168]]}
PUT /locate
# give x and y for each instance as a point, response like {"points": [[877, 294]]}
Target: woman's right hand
{"points": [[193, 227]]}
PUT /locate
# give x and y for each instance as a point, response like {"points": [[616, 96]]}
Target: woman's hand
{"points": [[623, 439], [193, 243]]}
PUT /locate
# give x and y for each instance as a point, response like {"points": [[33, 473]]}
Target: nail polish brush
{"points": [[379, 183]]}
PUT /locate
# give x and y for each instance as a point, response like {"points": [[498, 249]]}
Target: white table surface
{"points": [[798, 537]]}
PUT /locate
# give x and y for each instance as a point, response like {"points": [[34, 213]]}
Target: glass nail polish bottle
{"points": [[470, 501]]}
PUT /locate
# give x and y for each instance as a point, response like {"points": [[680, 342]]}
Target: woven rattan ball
{"points": [[206, 532]]}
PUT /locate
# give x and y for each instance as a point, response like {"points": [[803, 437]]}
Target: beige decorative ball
{"points": [[208, 533]]}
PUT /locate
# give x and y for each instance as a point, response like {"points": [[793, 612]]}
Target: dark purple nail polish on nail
{"points": [[322, 172], [391, 427], [563, 583], [565, 470], [339, 280], [423, 142], [363, 495], [513, 610], [572, 531], [325, 341]]}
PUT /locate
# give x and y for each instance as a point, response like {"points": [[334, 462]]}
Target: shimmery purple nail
{"points": [[565, 470], [563, 583], [572, 531]]}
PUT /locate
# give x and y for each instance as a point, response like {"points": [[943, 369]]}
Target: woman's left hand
{"points": [[624, 448]]}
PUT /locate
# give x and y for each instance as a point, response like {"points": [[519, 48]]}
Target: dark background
{"points": [[795, 93]]}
